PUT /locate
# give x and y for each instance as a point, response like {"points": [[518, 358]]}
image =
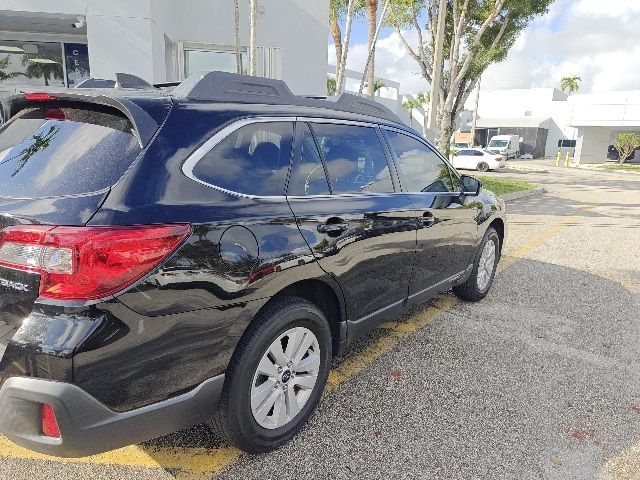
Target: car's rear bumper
{"points": [[87, 426]]}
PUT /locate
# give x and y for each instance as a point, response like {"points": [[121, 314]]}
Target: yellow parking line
{"points": [[187, 459], [194, 463]]}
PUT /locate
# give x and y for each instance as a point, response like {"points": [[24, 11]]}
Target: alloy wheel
{"points": [[285, 378], [486, 264]]}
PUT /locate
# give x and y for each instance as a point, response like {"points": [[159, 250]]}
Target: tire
{"points": [[483, 167], [235, 420], [474, 290]]}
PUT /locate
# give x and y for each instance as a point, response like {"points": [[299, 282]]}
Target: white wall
{"points": [[129, 35]]}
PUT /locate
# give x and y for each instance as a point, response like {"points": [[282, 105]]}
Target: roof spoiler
{"points": [[143, 123]]}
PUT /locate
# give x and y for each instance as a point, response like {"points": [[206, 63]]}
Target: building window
{"points": [[205, 60], [197, 57], [566, 143], [43, 63]]}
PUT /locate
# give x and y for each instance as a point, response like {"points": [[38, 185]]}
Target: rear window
{"points": [[252, 160], [66, 149]]}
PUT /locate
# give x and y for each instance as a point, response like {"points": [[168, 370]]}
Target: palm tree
{"points": [[372, 12], [570, 84], [378, 84], [236, 12], [4, 76], [411, 104], [253, 10], [336, 9], [342, 66], [44, 66]]}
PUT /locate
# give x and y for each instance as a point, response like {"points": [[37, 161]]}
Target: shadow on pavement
{"points": [[541, 379]]}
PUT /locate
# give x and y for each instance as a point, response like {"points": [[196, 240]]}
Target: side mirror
{"points": [[470, 186]]}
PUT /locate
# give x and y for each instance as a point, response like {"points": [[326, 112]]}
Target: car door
{"points": [[461, 159], [359, 230], [447, 222]]}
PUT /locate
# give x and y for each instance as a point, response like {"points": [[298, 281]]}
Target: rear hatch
{"points": [[59, 157]]}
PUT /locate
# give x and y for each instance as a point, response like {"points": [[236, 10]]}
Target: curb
{"points": [[523, 194]]}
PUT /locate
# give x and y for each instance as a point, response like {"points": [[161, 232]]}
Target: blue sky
{"points": [[595, 39]]}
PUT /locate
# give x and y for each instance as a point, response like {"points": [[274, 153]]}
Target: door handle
{"points": [[427, 219], [333, 227]]}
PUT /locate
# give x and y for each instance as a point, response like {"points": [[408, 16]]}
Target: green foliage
{"points": [[625, 144], [410, 104], [501, 186], [338, 9], [331, 86], [570, 84], [42, 70], [4, 64], [378, 85]]}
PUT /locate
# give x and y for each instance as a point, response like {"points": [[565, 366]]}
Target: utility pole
{"points": [[475, 114], [436, 78]]}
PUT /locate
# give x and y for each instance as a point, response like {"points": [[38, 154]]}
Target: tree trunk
{"points": [[236, 10], [253, 7], [340, 76], [372, 9], [334, 26], [445, 130]]}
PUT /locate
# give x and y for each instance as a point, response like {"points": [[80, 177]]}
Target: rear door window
{"points": [[253, 160], [67, 149], [307, 172], [354, 157]]}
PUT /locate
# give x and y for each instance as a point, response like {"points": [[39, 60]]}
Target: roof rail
{"points": [[123, 80], [232, 87], [96, 83], [364, 105], [235, 88]]}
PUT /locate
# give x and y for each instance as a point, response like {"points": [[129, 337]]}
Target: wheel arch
{"points": [[324, 294], [498, 225]]}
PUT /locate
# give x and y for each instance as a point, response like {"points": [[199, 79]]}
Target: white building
{"points": [[61, 42], [548, 120], [599, 118], [539, 115]]}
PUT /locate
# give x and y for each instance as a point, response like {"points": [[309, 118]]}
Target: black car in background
{"points": [[169, 257]]}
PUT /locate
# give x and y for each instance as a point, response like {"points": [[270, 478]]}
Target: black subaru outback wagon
{"points": [[175, 256]]}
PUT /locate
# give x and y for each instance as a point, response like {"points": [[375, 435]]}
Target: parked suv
{"points": [[170, 257]]}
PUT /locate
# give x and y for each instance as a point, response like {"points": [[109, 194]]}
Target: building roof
{"points": [[513, 122]]}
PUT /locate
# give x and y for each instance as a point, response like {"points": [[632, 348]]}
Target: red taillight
{"points": [[50, 426], [499, 159], [54, 114], [88, 263], [39, 97]]}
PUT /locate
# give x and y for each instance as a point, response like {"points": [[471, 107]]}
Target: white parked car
{"points": [[477, 159]]}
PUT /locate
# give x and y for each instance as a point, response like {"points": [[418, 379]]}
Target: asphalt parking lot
{"points": [[540, 380]]}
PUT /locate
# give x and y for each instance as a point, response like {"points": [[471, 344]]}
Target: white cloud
{"points": [[597, 40], [590, 38], [392, 62]]}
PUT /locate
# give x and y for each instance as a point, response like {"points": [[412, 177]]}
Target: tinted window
{"points": [[66, 150], [354, 158], [307, 173], [422, 170], [253, 159]]}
